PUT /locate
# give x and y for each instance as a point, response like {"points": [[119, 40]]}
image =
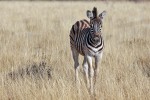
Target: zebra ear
{"points": [[89, 14], [102, 14]]}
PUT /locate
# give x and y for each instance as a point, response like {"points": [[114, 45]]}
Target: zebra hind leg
{"points": [[76, 65]]}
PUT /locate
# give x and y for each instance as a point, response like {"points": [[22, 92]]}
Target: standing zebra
{"points": [[86, 39]]}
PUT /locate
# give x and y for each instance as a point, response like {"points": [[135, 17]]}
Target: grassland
{"points": [[32, 33]]}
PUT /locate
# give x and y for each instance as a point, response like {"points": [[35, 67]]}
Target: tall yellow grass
{"points": [[35, 32]]}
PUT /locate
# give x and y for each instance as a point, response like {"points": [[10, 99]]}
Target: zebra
{"points": [[86, 39]]}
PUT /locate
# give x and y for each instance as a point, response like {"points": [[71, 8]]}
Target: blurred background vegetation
{"points": [[78, 0]]}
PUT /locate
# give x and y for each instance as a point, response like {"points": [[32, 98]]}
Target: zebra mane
{"points": [[94, 12]]}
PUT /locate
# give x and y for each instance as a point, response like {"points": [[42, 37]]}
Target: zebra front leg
{"points": [[86, 71], [91, 74], [96, 69], [76, 64]]}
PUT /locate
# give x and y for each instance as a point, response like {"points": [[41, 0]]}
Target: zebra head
{"points": [[95, 22]]}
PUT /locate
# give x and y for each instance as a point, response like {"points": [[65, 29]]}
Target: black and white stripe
{"points": [[86, 39], [81, 38]]}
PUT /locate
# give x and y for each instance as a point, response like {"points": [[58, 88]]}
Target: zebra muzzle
{"points": [[96, 38]]}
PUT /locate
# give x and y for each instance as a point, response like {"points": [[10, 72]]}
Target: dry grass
{"points": [[35, 32]]}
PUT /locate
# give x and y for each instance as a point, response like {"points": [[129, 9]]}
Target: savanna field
{"points": [[35, 56]]}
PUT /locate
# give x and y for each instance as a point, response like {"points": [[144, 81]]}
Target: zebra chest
{"points": [[93, 49]]}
